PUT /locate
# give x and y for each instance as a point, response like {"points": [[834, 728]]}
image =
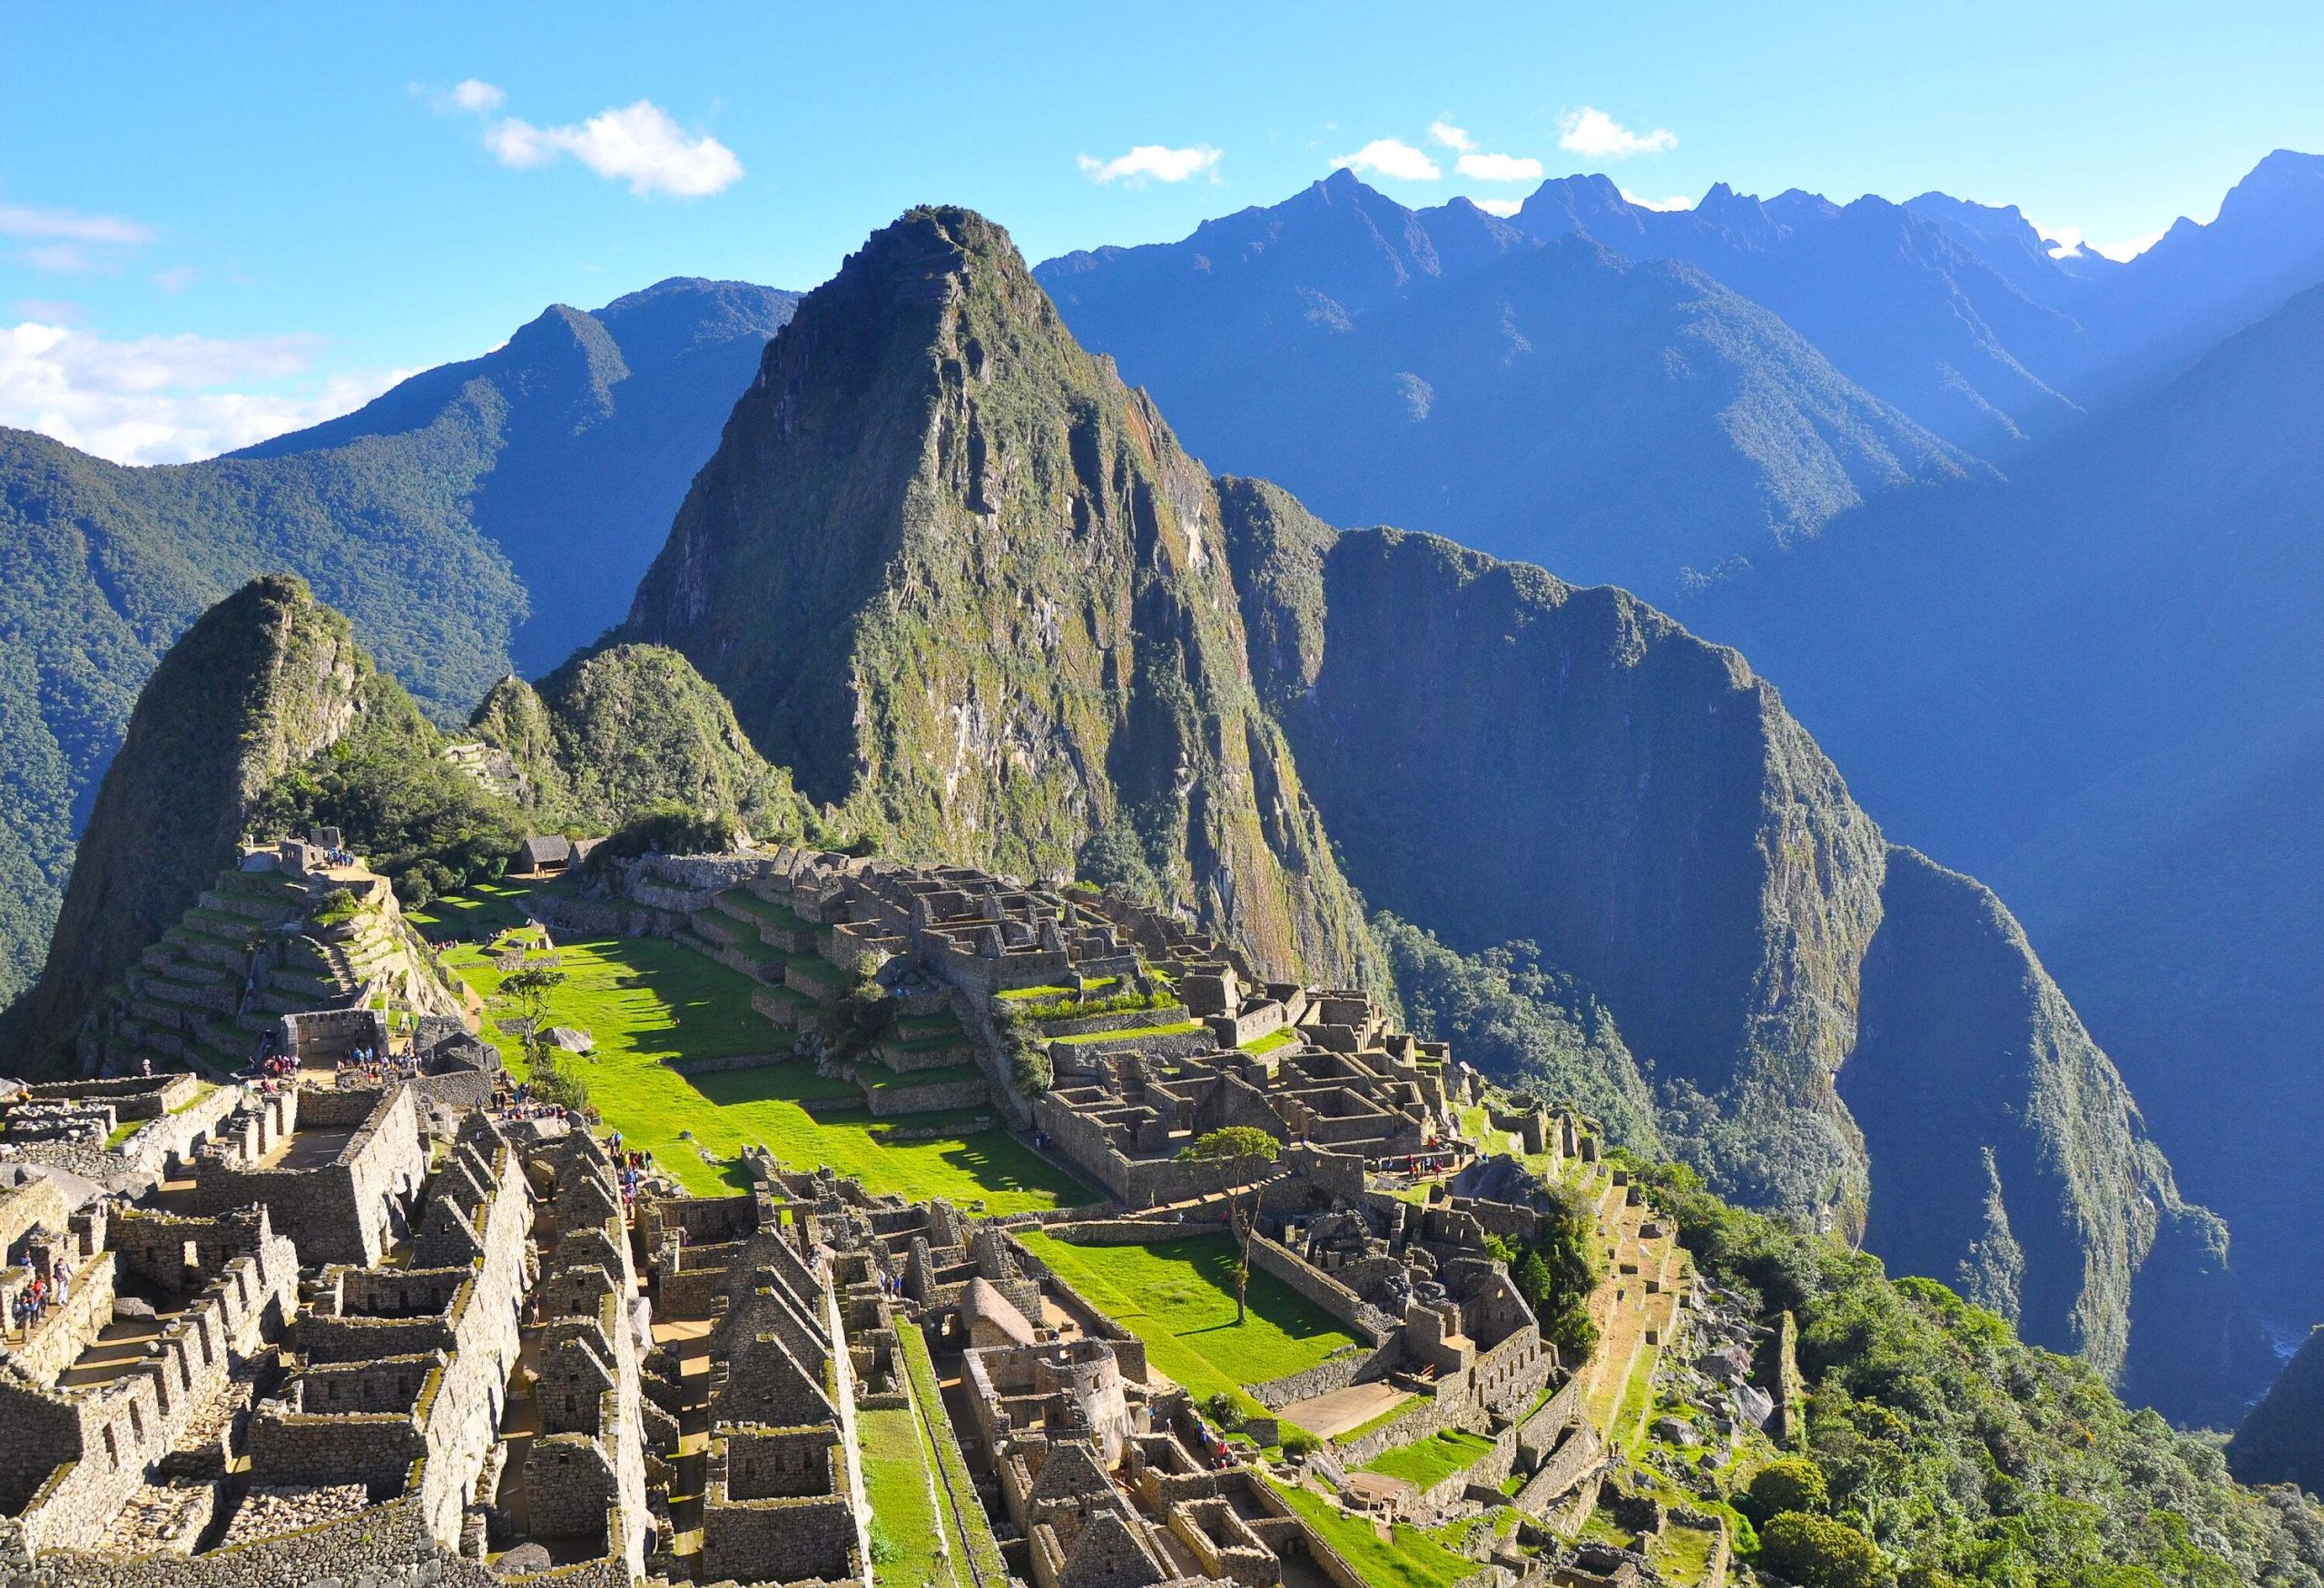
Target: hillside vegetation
{"points": [[494, 509]]}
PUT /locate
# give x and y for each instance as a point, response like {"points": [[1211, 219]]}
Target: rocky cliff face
{"points": [[262, 681], [1831, 1025], [1501, 755], [2008, 1158], [967, 584], [616, 730]]}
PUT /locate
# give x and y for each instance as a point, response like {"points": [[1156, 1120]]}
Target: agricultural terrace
{"points": [[650, 1004], [1178, 1297], [1409, 1557]]}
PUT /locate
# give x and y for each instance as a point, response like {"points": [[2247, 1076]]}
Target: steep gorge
{"points": [[1831, 1024]]}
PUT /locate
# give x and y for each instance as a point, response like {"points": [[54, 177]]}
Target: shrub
{"points": [[1816, 1552], [1029, 1066], [1789, 1484], [558, 1079], [335, 908], [1299, 1441], [667, 828]]}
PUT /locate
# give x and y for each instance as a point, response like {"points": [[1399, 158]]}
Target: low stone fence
{"points": [[1365, 1322], [1127, 1231], [739, 1062], [930, 1098]]}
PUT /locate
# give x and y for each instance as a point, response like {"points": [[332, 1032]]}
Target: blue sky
{"points": [[218, 222]]}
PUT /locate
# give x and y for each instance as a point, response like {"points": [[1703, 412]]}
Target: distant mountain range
{"points": [[2102, 685], [480, 517], [1444, 369]]}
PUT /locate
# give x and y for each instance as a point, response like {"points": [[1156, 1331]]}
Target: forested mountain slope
{"points": [[482, 514]]}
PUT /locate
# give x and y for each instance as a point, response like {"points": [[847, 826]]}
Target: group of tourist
{"points": [[367, 1067], [40, 1292], [275, 1072]]}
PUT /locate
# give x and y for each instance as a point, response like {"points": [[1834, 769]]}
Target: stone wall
{"points": [[75, 1461], [350, 1209], [931, 1098], [1365, 1322], [1349, 1364]]}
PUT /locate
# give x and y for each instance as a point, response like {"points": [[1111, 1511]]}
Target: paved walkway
{"points": [[1328, 1416]]}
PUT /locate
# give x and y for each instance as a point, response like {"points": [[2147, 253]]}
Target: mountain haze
{"points": [[1625, 421], [2100, 686]]}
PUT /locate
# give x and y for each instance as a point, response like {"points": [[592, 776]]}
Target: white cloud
{"points": [[2130, 248], [1675, 202], [176, 279], [638, 143], [68, 243], [167, 399], [1451, 136], [1501, 167], [1595, 135], [1504, 208], [2067, 241], [472, 94], [1152, 162], [1391, 157], [34, 225]]}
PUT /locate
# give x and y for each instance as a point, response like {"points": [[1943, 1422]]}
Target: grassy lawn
{"points": [[904, 1525], [1414, 1560], [967, 1529], [1373, 1425], [1430, 1461], [649, 1003], [1179, 1298], [1282, 1036], [1683, 1554], [485, 907], [1178, 1029]]}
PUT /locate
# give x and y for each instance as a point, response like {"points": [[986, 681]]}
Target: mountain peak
{"points": [[1007, 631]]}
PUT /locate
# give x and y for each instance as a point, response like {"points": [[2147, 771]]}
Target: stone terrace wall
{"points": [[95, 1449], [1349, 1365]]}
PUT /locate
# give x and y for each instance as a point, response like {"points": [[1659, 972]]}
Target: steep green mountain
{"points": [[1620, 421], [1530, 1025], [968, 588], [500, 507], [1500, 756], [616, 730], [2102, 688], [263, 680], [2281, 1439]]}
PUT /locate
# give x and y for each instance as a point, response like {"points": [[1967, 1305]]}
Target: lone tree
{"points": [[1239, 1144], [530, 988]]}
